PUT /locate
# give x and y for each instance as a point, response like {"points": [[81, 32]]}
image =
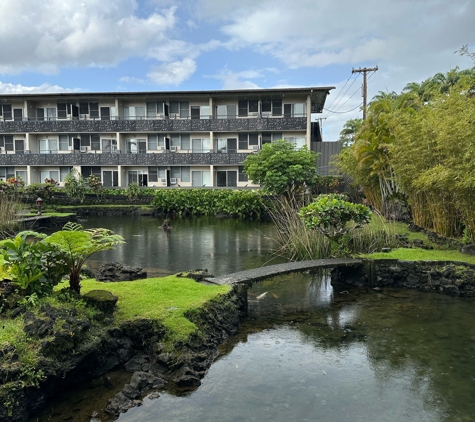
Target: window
{"points": [[226, 111], [200, 178], [200, 145], [18, 114], [248, 141], [181, 141], [155, 109], [152, 142], [268, 137], [83, 108], [63, 172], [49, 146], [110, 178], [248, 107], [62, 112], [226, 178], [179, 109], [94, 110], [64, 142], [50, 113], [200, 112], [181, 173], [156, 174], [137, 176], [49, 174], [135, 113], [22, 175], [105, 113], [6, 173], [6, 142], [226, 145], [295, 110], [135, 146], [7, 111], [40, 114], [273, 107], [298, 142], [242, 177], [86, 171], [109, 145], [95, 142]]}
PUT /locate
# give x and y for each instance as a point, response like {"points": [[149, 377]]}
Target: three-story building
{"points": [[160, 139]]}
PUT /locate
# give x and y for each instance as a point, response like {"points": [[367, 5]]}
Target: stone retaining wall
{"points": [[448, 277]]}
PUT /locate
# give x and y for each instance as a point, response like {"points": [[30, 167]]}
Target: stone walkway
{"points": [[261, 273]]}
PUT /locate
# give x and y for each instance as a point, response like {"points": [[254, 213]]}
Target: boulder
{"points": [[101, 299], [115, 271], [468, 249]]}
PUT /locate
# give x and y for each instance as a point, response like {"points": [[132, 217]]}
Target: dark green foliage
{"points": [[281, 169], [35, 267], [75, 186], [209, 202], [42, 190], [332, 214]]}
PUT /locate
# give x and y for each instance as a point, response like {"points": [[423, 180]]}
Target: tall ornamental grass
{"points": [[297, 243]]}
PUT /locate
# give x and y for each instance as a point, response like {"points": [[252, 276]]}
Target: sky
{"points": [[163, 45]]}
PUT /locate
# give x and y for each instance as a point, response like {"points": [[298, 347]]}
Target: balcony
{"points": [[166, 125], [125, 159]]}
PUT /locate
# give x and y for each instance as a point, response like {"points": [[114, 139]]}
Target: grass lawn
{"points": [[417, 254], [165, 299]]}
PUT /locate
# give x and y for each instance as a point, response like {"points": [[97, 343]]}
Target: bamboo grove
{"points": [[416, 151]]}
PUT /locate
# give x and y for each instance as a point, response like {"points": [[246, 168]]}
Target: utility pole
{"points": [[365, 86]]}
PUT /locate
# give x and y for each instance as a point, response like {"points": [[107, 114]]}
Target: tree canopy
{"points": [[419, 146], [281, 169]]}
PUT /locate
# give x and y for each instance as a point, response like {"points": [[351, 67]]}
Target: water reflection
{"points": [[310, 352], [222, 246]]}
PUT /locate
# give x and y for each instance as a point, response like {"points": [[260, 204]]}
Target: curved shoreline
{"points": [[140, 341]]}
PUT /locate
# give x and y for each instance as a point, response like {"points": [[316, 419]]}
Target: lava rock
{"points": [[115, 271], [102, 300]]}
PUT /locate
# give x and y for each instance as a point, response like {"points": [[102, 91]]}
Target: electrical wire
{"points": [[344, 93], [343, 112], [339, 93]]}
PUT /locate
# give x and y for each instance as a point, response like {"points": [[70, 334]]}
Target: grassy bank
{"points": [[166, 300]]}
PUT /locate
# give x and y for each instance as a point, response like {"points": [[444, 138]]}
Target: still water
{"points": [[308, 351], [221, 246]]}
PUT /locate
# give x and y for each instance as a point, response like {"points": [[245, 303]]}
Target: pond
{"points": [[220, 245], [310, 351]]}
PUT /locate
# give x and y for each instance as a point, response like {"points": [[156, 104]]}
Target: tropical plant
{"points": [[349, 131], [34, 266], [132, 190], [281, 169], [95, 184], [78, 244], [9, 208], [75, 186], [334, 217]]}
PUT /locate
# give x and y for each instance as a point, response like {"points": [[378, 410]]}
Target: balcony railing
{"points": [[123, 159], [166, 125]]}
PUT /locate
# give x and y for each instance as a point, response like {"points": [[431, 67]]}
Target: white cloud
{"points": [[8, 88], [46, 36], [172, 73], [240, 80]]}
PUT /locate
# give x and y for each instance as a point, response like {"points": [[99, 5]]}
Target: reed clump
{"points": [[9, 209], [296, 243]]}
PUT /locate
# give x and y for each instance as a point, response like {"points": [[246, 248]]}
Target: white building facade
{"points": [[159, 139]]}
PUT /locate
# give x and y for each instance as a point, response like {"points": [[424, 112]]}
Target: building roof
{"points": [[318, 95]]}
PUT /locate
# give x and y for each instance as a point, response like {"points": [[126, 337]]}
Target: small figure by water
{"points": [[166, 225]]}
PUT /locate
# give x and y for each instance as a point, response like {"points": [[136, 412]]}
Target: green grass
{"points": [[165, 299], [417, 254], [141, 206], [49, 214]]}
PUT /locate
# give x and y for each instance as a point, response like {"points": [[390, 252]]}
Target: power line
{"points": [[341, 90], [343, 94], [343, 112]]}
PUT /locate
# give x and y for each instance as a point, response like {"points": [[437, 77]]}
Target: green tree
{"points": [[334, 217], [75, 186], [349, 131], [281, 169], [78, 244]]}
